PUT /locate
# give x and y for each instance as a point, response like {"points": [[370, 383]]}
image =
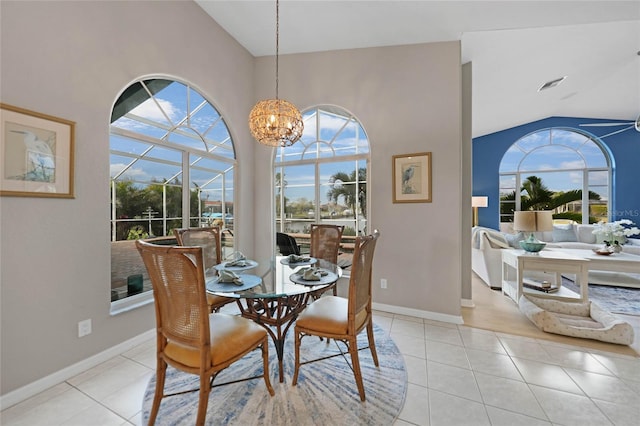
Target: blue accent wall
{"points": [[624, 149]]}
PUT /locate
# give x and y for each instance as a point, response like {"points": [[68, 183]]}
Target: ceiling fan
{"points": [[630, 125]]}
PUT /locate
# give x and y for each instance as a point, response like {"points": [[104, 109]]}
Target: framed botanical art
{"points": [[36, 154], [412, 178]]}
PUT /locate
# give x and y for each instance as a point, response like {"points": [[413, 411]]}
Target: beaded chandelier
{"points": [[276, 122]]}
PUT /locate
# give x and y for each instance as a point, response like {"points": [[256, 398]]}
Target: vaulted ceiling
{"points": [[515, 47]]}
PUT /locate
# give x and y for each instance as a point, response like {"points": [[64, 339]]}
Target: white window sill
{"points": [[130, 303]]}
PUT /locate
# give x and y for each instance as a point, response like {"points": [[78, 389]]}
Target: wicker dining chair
{"points": [[210, 240], [343, 319], [189, 337], [325, 244]]}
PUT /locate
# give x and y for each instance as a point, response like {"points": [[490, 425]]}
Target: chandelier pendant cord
{"points": [[276, 122], [277, 42]]}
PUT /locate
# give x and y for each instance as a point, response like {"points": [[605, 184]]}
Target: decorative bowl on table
{"points": [[603, 252]]}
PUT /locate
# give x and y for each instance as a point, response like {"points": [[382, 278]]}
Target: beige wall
{"points": [[408, 99], [73, 59]]}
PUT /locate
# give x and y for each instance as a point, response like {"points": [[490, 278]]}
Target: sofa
{"points": [[486, 257]]}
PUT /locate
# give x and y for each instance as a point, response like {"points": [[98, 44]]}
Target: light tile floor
{"points": [[457, 375]]}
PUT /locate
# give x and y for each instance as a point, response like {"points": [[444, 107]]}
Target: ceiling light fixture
{"points": [[276, 122], [552, 83]]}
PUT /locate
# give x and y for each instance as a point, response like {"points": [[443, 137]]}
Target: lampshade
{"points": [[480, 201], [276, 122], [533, 221]]}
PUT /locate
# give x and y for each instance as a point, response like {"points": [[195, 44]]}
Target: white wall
{"points": [[72, 59]]}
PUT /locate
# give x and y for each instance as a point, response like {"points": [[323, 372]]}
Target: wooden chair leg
{"points": [[203, 400], [355, 361], [297, 365], [161, 371], [265, 366], [372, 343]]}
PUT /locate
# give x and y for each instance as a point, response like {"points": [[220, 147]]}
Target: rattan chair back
{"points": [[208, 238], [177, 278], [360, 280], [325, 241]]}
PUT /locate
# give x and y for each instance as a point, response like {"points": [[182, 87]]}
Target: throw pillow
{"points": [[585, 234], [514, 239], [564, 233]]}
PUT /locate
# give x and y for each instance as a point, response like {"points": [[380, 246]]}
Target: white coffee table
{"points": [[620, 263], [515, 262]]}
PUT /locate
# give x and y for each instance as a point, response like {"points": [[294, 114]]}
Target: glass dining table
{"points": [[275, 298]]}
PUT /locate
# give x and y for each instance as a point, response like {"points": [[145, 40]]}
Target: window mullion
{"points": [[186, 193]]}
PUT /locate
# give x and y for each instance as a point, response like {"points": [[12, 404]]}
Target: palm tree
{"points": [[344, 186], [539, 197]]}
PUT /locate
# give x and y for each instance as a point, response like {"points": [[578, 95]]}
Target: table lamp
{"points": [[533, 221], [479, 201]]}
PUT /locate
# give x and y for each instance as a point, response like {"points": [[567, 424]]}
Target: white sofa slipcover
{"points": [[486, 258]]}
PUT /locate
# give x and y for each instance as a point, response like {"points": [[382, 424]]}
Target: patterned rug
{"points": [[618, 300], [326, 393]]}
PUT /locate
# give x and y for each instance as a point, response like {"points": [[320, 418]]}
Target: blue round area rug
{"points": [[326, 393]]}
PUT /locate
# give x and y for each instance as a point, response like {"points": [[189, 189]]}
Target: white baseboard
{"points": [[33, 388], [435, 316], [467, 303]]}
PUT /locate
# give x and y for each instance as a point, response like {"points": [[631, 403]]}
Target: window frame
{"points": [[311, 139], [518, 174], [189, 156]]}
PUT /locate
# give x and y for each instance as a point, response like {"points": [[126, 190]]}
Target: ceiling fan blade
{"points": [[607, 124], [617, 131]]}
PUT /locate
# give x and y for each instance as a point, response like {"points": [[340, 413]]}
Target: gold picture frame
{"points": [[412, 178], [36, 154]]}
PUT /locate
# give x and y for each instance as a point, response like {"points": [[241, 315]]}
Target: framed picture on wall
{"points": [[412, 178], [36, 154]]}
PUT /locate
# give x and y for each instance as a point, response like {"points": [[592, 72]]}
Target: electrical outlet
{"points": [[84, 327], [383, 283]]}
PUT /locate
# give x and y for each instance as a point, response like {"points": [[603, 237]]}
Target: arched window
{"points": [[171, 166], [323, 177], [556, 169]]}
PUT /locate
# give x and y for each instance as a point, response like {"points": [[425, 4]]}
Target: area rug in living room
{"points": [[326, 393], [618, 300]]}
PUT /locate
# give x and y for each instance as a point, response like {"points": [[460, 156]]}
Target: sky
{"points": [[558, 157]]}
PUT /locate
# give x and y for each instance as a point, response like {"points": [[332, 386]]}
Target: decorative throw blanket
{"points": [[495, 239]]}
